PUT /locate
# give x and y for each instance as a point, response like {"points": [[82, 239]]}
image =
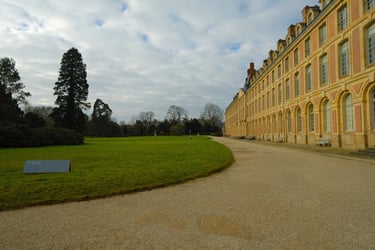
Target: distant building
{"points": [[318, 83]]}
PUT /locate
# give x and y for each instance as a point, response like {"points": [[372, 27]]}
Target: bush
{"points": [[15, 135], [21, 135], [56, 136]]}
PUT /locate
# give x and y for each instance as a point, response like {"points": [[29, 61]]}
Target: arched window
{"points": [[348, 113], [274, 124], [299, 30], [311, 118], [281, 122], [371, 44], [310, 18], [289, 121], [299, 119], [327, 116]]}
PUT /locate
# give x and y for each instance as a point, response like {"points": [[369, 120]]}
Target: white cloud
{"points": [[145, 55]]}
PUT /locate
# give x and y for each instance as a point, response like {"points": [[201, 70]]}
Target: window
{"points": [[289, 121], [279, 71], [327, 116], [274, 124], [296, 84], [371, 44], [259, 106], [268, 100], [286, 64], [296, 57], [308, 78], [342, 16], [372, 103], [299, 30], [299, 119], [273, 97], [273, 76], [268, 81], [307, 47], [310, 18], [287, 89], [344, 58], [369, 4], [311, 118], [348, 113], [289, 40], [281, 122], [322, 35], [323, 70], [280, 94]]}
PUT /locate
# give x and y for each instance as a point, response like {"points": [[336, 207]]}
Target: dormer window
{"points": [[289, 39], [310, 18], [299, 30]]}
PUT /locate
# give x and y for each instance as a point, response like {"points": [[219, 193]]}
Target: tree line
{"points": [[67, 122]]}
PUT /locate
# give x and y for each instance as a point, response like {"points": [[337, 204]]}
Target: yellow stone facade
{"points": [[318, 85]]}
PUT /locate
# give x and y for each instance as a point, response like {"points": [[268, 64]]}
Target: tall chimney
{"points": [[251, 71]]}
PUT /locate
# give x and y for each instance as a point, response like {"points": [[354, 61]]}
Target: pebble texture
{"points": [[270, 198]]}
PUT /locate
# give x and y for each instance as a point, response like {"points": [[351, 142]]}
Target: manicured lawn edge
{"points": [[181, 148]]}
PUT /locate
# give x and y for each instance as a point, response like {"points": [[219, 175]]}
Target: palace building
{"points": [[318, 85]]}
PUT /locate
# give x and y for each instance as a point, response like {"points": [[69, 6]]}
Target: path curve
{"points": [[270, 198]]}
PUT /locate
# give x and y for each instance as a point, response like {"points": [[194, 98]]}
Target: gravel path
{"points": [[271, 198]]}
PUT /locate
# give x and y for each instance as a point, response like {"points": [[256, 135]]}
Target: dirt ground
{"points": [[270, 198]]}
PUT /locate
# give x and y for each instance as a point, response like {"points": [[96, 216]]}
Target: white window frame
{"points": [[308, 78], [324, 69], [344, 62], [322, 35], [370, 46], [307, 47], [299, 120], [311, 116], [348, 113], [296, 85], [342, 18], [327, 119], [296, 57]]}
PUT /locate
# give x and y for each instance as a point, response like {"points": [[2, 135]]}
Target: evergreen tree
{"points": [[10, 80], [101, 119], [71, 90], [9, 110]]}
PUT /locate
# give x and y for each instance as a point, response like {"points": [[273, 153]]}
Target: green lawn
{"points": [[107, 166]]}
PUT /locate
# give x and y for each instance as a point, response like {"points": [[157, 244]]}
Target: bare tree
{"points": [[146, 117], [176, 114], [212, 114]]}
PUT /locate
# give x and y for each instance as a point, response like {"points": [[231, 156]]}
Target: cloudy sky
{"points": [[145, 55]]}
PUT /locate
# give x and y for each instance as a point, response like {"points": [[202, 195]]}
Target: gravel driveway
{"points": [[270, 198]]}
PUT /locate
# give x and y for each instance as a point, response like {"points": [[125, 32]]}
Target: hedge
{"points": [[21, 135]]}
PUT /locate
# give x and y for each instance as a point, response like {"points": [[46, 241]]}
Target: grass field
{"points": [[107, 166]]}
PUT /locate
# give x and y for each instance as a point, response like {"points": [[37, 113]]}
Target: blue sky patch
{"points": [[99, 22], [145, 38], [124, 7], [234, 47]]}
